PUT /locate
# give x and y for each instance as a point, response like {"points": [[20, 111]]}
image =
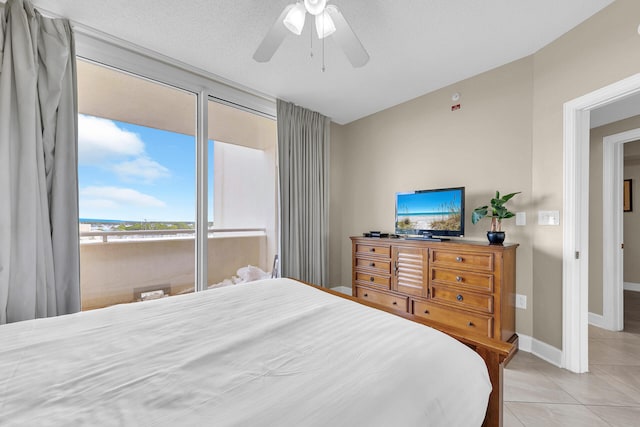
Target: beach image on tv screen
{"points": [[438, 210]]}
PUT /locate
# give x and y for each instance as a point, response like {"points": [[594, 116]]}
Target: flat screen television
{"points": [[431, 213]]}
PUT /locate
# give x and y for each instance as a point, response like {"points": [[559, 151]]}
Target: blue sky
{"points": [[135, 173], [425, 202]]}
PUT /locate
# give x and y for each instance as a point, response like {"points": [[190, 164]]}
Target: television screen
{"points": [[431, 212]]}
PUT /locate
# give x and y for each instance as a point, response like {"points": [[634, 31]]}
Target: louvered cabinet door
{"points": [[410, 270]]}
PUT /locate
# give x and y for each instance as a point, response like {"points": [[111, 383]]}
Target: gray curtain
{"points": [[39, 248], [303, 153]]}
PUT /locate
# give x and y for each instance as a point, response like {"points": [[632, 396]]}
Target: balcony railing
{"points": [[166, 233], [117, 266]]}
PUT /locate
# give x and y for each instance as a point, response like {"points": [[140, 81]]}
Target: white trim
{"points": [[613, 227], [575, 280], [629, 286], [525, 342], [540, 349], [546, 352], [575, 244], [597, 320]]}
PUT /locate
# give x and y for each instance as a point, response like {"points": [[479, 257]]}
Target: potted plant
{"points": [[497, 212]]}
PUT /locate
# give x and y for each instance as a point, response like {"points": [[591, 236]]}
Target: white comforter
{"points": [[268, 353]]}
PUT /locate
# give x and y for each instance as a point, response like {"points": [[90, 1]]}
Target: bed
{"points": [[274, 352]]}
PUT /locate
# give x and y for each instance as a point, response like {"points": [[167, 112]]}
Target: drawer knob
{"points": [[395, 303], [372, 250], [366, 295], [459, 297], [470, 324], [371, 279], [459, 259], [426, 312], [458, 279], [372, 264]]}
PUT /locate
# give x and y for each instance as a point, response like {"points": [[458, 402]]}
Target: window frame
{"points": [[124, 56]]}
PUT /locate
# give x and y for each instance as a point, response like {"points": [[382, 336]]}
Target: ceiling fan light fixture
{"points": [[315, 7], [324, 25], [294, 21]]}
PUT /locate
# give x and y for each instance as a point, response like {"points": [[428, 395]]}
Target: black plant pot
{"points": [[495, 237]]}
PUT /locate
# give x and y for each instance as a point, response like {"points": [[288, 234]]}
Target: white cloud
{"points": [[101, 139], [113, 197], [141, 169]]}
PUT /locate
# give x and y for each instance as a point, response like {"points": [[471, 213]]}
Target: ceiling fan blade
{"points": [[347, 39], [273, 39]]}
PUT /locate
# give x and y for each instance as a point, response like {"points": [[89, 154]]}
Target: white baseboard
{"points": [[540, 349], [342, 289], [524, 343], [597, 320], [629, 286]]}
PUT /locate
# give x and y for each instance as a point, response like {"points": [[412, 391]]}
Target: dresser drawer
{"points": [[373, 264], [373, 279], [476, 322], [461, 260], [483, 325], [462, 299], [373, 249], [477, 281], [381, 298]]}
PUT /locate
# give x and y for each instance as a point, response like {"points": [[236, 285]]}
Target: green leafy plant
{"points": [[497, 211]]}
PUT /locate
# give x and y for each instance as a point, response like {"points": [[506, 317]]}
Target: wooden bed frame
{"points": [[496, 354]]}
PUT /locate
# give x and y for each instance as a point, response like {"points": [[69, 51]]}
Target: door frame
{"points": [[575, 252], [613, 228]]}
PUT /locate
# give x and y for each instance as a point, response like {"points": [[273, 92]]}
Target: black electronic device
{"points": [[378, 234], [430, 214]]}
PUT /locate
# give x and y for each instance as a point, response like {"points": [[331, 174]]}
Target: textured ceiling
{"points": [[416, 46]]}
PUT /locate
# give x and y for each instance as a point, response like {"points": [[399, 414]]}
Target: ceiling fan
{"points": [[328, 21]]}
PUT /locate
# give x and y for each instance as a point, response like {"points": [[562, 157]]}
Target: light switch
{"points": [[549, 217], [521, 218]]}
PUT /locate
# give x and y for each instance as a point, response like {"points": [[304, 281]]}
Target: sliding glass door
{"points": [[242, 204], [136, 157], [138, 195]]}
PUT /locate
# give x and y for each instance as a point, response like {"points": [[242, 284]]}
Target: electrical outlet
{"points": [[521, 301]]}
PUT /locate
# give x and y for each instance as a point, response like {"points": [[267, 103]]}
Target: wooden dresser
{"points": [[468, 285]]}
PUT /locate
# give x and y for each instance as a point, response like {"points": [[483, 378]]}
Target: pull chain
{"points": [[323, 67], [311, 41], [323, 19]]}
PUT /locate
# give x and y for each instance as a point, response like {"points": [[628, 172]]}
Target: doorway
{"points": [[613, 227], [576, 211]]}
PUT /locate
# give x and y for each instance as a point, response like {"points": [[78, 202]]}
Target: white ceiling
{"points": [[416, 46]]}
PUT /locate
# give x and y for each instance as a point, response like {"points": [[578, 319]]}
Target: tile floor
{"points": [[540, 394]]}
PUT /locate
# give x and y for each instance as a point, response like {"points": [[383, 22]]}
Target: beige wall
{"points": [[512, 116], [595, 54], [632, 219], [485, 146], [596, 210]]}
